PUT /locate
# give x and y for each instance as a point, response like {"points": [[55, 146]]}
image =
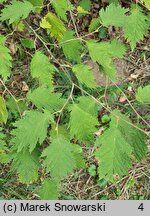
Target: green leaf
{"points": [[59, 158], [103, 32], [78, 155], [49, 190], [84, 75], [5, 59], [117, 49], [61, 7], [54, 26], [113, 1], [42, 69], [3, 148], [13, 106], [28, 43], [31, 130], [104, 52], [86, 4], [94, 24], [114, 154], [143, 94], [16, 10], [92, 170], [117, 145], [1, 1], [43, 98], [18, 26], [26, 165], [2, 139], [3, 111], [135, 26], [147, 3], [36, 3], [83, 119], [2, 40], [71, 46], [81, 11], [61, 129], [113, 15], [133, 136], [88, 105]]}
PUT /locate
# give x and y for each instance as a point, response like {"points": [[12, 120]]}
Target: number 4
{"points": [[141, 207]]}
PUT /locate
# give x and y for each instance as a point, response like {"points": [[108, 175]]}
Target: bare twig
{"points": [[60, 111], [72, 18], [131, 105], [16, 101]]}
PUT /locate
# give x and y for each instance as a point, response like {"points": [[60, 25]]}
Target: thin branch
{"points": [[118, 117], [16, 101], [132, 105], [48, 50], [72, 18], [60, 111]]}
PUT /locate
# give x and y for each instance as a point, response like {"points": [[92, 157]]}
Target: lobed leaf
{"points": [[3, 147], [5, 59], [104, 52], [49, 190], [54, 26], [13, 13], [43, 98], [42, 69], [136, 26], [59, 159], [31, 130], [143, 94], [26, 164], [84, 75], [3, 111], [61, 7], [113, 15], [117, 145], [83, 120], [71, 46]]}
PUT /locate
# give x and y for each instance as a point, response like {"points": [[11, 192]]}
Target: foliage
{"points": [[43, 98], [25, 136], [61, 7], [85, 4], [83, 119], [124, 140], [54, 25], [104, 52], [3, 110], [113, 15], [143, 94], [26, 164], [3, 148], [49, 190], [84, 75], [59, 157], [13, 13], [136, 26], [147, 3], [42, 69], [46, 128], [71, 48], [5, 60]]}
